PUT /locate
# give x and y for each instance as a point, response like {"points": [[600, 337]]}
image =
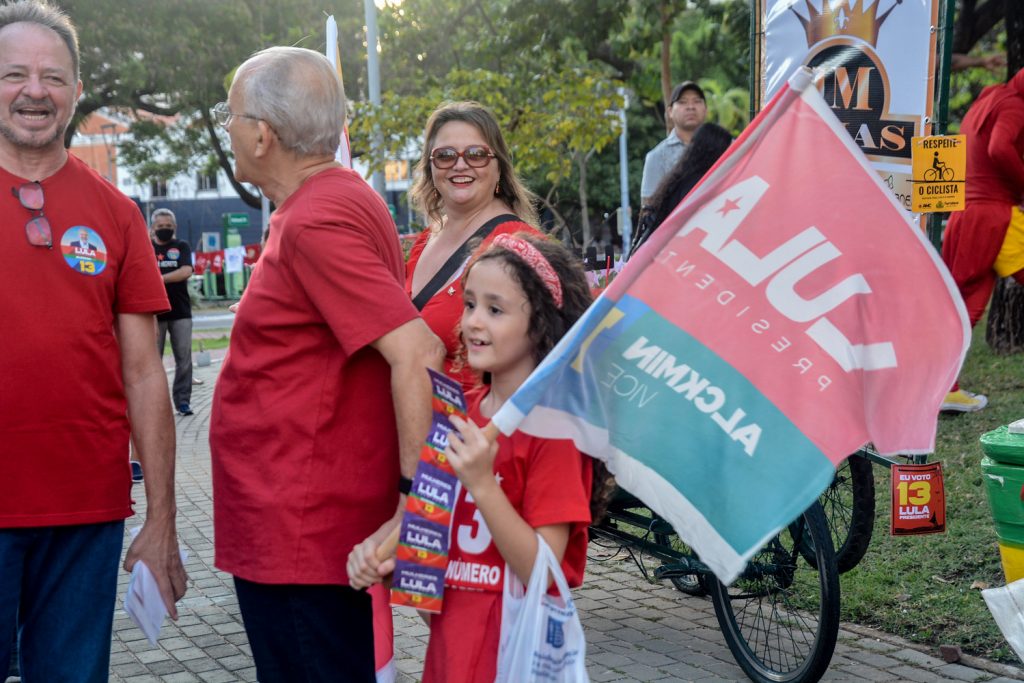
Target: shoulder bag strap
{"points": [[456, 259]]}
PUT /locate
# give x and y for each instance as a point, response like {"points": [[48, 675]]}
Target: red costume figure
{"points": [[978, 245]]}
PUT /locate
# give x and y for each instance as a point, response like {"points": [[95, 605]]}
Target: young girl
{"points": [[520, 296]]}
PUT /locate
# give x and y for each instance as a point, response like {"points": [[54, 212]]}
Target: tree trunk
{"points": [[1005, 331], [1014, 37], [561, 226], [666, 60], [581, 161]]}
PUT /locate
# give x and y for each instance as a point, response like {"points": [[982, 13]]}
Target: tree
{"points": [[553, 128], [173, 64]]}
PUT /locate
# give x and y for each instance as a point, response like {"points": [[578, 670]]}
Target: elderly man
{"points": [[78, 365], [174, 257], [686, 111], [323, 401]]}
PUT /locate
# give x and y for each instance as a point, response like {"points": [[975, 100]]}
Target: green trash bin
{"points": [[1003, 470]]}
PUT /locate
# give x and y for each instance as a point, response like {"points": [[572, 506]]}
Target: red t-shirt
{"points": [[63, 413], [303, 437], [444, 310], [548, 482]]}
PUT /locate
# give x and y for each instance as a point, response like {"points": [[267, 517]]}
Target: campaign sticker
{"points": [[425, 535], [173, 254], [421, 557], [412, 578], [448, 392], [434, 485], [437, 437], [83, 250], [428, 511], [420, 602]]}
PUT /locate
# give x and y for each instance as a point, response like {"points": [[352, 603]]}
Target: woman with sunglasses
{"points": [[467, 189]]}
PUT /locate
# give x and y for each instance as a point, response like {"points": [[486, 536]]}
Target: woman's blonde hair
{"points": [[511, 190]]}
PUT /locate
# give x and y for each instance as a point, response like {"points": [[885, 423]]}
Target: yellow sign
{"points": [[396, 170], [940, 167]]}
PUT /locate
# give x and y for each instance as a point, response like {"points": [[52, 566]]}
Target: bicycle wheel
{"points": [[930, 175], [781, 617], [947, 174], [691, 584], [849, 507]]}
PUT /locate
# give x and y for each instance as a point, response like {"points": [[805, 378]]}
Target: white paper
{"points": [[233, 259], [142, 600]]}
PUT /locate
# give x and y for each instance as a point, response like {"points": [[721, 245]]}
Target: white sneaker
{"points": [[962, 401]]}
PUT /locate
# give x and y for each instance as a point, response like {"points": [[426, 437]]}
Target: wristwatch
{"points": [[404, 485]]}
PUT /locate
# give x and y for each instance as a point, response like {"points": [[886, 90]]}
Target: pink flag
{"points": [[786, 313]]}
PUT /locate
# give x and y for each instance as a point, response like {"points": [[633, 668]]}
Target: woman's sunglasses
{"points": [[476, 156]]}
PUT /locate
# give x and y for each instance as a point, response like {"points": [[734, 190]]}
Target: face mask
{"points": [[164, 235]]}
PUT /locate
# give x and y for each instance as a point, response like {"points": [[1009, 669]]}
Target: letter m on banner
{"points": [[785, 314]]}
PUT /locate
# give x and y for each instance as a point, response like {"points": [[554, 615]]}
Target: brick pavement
{"points": [[636, 631]]}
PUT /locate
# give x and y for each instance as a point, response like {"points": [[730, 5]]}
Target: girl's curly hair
{"points": [[548, 322]]}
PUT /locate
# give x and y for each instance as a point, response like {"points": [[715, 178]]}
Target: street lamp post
{"points": [[625, 213], [373, 77]]}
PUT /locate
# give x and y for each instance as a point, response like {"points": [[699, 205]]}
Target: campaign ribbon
{"points": [[422, 553]]}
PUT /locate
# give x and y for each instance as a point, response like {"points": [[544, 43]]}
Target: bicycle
{"points": [[780, 618], [849, 504], [943, 173]]}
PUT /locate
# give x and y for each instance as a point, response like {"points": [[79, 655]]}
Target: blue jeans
{"points": [[58, 584], [308, 634]]}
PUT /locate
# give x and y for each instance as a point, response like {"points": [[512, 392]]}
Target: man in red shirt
{"points": [[987, 237], [77, 364], [323, 401]]}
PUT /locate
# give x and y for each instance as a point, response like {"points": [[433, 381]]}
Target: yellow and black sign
{"points": [[940, 167]]}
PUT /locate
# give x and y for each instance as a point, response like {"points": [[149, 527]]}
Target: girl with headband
{"points": [[520, 295]]}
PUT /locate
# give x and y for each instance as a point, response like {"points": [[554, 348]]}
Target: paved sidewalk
{"points": [[636, 631]]}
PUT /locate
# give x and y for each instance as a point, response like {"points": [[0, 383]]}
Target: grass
{"points": [[209, 342], [927, 588]]}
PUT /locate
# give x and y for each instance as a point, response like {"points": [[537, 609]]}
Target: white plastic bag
{"points": [[541, 636], [1007, 606]]}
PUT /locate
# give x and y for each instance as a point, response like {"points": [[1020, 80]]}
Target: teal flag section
{"points": [[665, 403]]}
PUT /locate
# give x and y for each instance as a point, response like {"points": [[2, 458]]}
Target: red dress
{"points": [[548, 482], [444, 310]]}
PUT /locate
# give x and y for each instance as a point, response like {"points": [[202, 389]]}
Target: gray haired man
{"points": [[174, 257], [323, 399]]}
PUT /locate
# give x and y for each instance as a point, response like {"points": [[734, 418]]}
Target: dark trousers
{"points": [[181, 347], [308, 634]]}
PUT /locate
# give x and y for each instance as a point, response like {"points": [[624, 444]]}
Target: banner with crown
{"points": [[874, 62]]}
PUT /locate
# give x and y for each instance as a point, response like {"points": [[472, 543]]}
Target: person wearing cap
{"points": [[686, 111]]}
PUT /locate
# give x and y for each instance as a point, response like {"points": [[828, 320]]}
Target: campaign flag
{"points": [[344, 154], [783, 315]]}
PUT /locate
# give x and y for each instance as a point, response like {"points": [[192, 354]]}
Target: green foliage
{"points": [[171, 59], [965, 86]]}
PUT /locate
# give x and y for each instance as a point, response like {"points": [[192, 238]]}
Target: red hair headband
{"points": [[533, 258]]}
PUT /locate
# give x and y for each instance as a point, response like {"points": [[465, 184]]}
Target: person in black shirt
{"points": [[175, 260]]}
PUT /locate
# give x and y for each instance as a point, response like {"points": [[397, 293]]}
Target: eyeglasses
{"points": [[222, 114], [37, 230], [476, 156]]}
